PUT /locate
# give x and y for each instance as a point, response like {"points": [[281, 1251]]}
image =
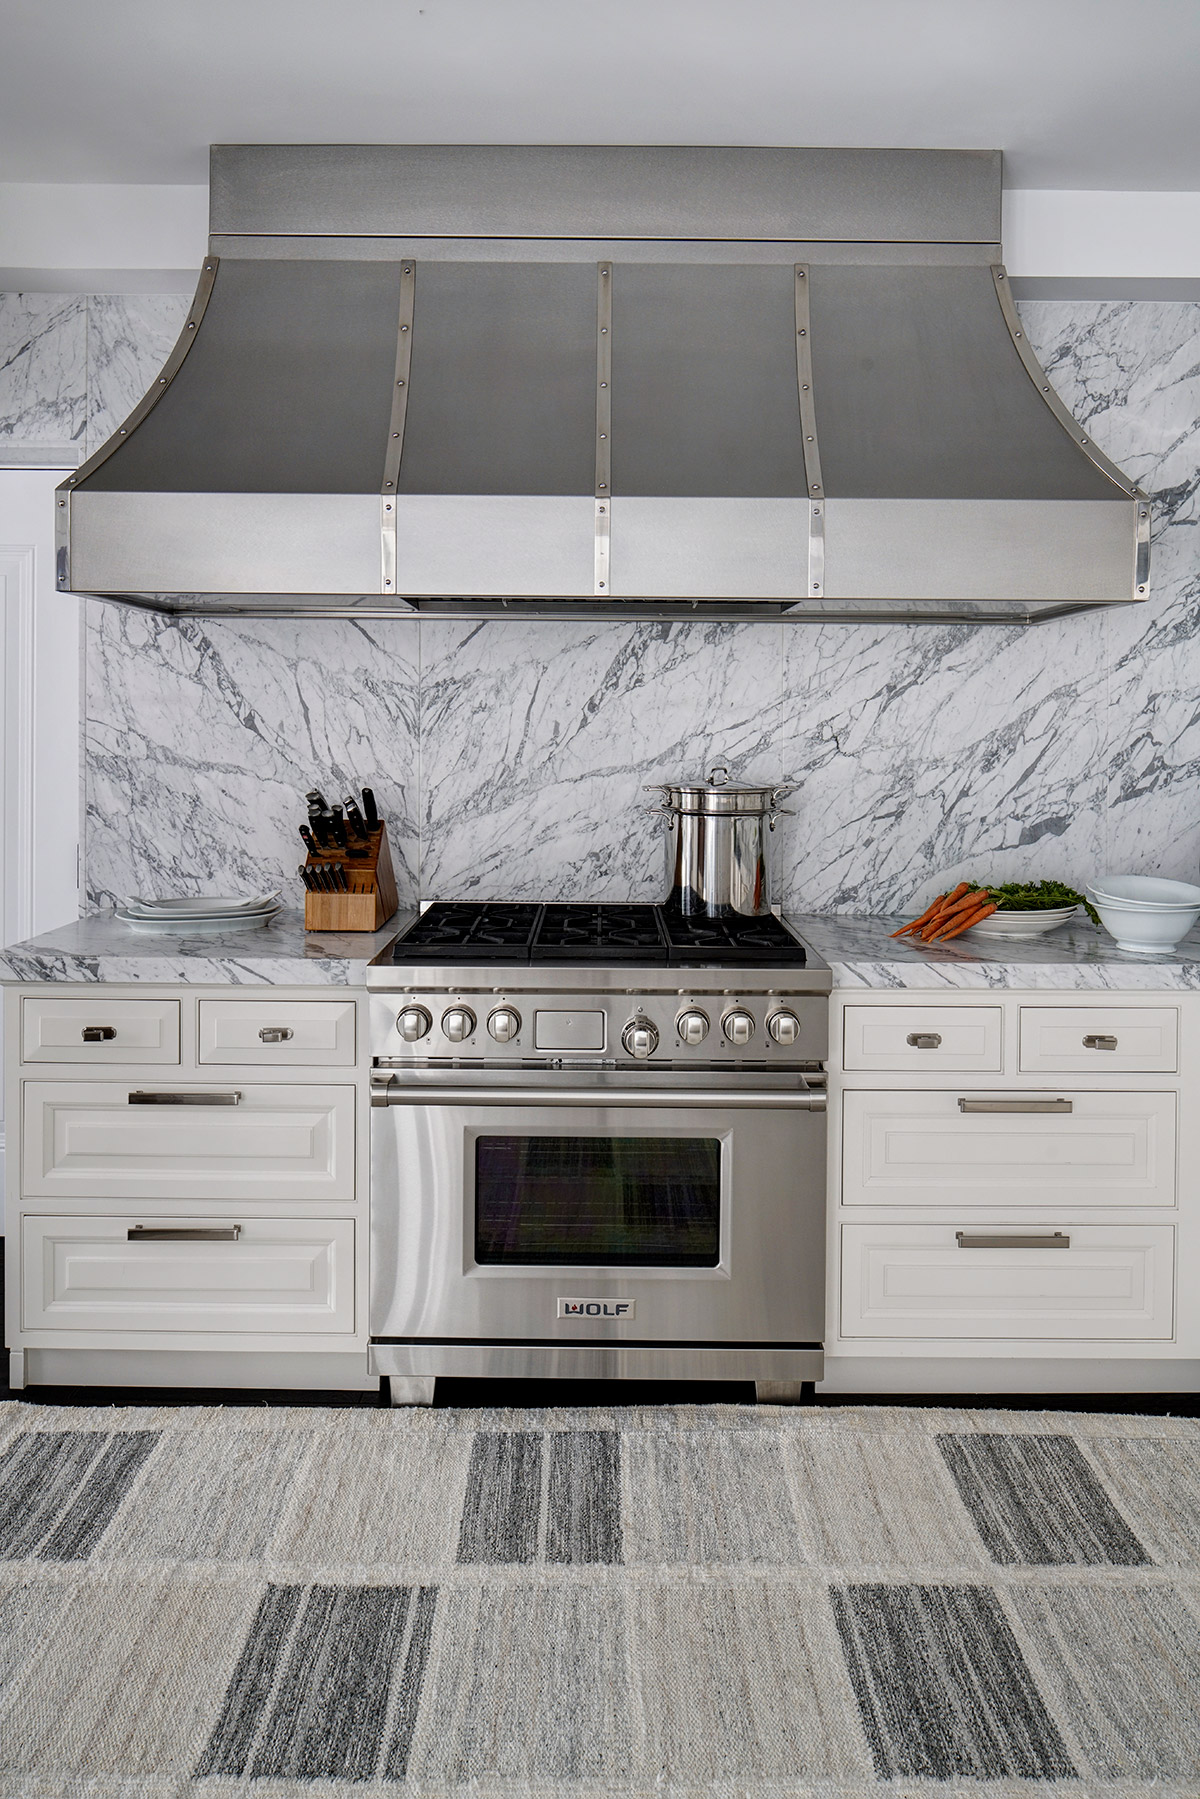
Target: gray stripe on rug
{"points": [[1035, 1500], [330, 1709], [583, 1521], [411, 1682], [942, 1687], [39, 1475], [503, 1503], [250, 1684], [95, 1505]]}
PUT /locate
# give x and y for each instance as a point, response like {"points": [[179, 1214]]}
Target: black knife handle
{"points": [[338, 827], [310, 842], [339, 877], [316, 800], [369, 809], [303, 872], [354, 817]]}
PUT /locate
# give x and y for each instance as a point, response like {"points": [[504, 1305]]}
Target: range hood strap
{"points": [[808, 428], [395, 442], [147, 403], [604, 312]]}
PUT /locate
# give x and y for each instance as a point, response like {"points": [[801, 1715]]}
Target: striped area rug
{"points": [[675, 1602]]}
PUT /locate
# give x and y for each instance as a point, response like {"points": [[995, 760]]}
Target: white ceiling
{"points": [[1078, 93]]}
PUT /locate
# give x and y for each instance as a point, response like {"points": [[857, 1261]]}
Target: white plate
{"points": [[1005, 923], [201, 906], [191, 927]]}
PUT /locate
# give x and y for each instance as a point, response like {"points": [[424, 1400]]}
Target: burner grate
{"points": [[465, 931], [600, 933], [731, 942], [506, 933]]}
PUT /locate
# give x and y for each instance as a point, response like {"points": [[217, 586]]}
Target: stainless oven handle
{"points": [[390, 1093]]}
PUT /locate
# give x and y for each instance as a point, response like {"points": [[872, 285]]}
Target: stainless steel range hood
{"points": [[715, 382]]}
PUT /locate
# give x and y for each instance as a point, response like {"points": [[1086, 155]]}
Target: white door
{"points": [[40, 642]]}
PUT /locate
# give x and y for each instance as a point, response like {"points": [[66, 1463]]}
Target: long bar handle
{"points": [[1016, 1105], [139, 1098], [184, 1233], [388, 1093], [993, 1240]]}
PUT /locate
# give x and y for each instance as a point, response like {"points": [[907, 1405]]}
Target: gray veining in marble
{"points": [[510, 756], [43, 377], [861, 952], [281, 954]]}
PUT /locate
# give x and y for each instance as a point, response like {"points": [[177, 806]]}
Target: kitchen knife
{"points": [[338, 827], [354, 818], [372, 816], [305, 876], [316, 800], [339, 878], [310, 842], [320, 826]]}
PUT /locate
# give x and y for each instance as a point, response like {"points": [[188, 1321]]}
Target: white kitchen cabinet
{"points": [[924, 1039], [88, 1140], [1014, 1147], [1091, 1283], [277, 1033], [1099, 1039], [195, 1274], [96, 1029]]}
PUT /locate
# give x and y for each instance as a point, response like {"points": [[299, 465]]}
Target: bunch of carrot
{"points": [[950, 914]]}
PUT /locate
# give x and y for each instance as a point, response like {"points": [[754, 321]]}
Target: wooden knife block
{"points": [[372, 898]]}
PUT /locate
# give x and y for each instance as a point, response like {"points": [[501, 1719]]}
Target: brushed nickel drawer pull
{"points": [[1016, 1105], [1096, 1040], [184, 1233], [924, 1040], [993, 1240], [276, 1033], [99, 1033], [184, 1099]]}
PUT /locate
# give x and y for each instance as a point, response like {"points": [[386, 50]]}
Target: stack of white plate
{"points": [[1144, 913], [207, 912]]}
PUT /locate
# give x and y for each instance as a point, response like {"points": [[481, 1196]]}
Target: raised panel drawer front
{"points": [[1111, 1282], [924, 1149], [275, 1275], [282, 1032], [100, 1030], [962, 1039], [1099, 1039], [89, 1140]]}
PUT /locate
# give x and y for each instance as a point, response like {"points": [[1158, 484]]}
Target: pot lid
{"points": [[718, 795]]}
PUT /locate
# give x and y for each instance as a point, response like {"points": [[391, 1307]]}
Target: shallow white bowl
{"points": [[1145, 933], [1012, 923], [1145, 890]]}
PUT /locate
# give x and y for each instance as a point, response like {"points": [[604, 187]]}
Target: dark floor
{"points": [[478, 1393]]}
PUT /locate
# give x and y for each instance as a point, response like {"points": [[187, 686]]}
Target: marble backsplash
{"points": [[511, 758]]}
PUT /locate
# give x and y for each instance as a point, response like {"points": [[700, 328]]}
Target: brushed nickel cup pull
{"points": [[184, 1233], [993, 1240], [1016, 1105], [185, 1099], [276, 1033], [1097, 1040], [98, 1033], [924, 1040]]}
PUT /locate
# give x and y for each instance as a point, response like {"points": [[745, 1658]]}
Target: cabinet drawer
{"points": [[100, 1030], [1113, 1282], [87, 1140], [85, 1274], [1099, 1040], [923, 1149], [958, 1038], [281, 1032]]}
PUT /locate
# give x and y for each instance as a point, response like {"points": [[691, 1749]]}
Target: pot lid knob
{"points": [[718, 774]]}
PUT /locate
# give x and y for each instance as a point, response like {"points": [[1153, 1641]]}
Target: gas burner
{"points": [[731, 941], [599, 934], [470, 932]]}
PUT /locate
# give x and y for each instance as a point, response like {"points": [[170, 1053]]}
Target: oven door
{"points": [[617, 1212]]}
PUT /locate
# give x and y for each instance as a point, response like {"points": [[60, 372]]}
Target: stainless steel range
{"points": [[598, 1148]]}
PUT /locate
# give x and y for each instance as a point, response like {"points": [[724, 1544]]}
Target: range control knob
{"points": [[692, 1027], [640, 1038], [458, 1023], [504, 1024], [414, 1023], [784, 1027], [738, 1028]]}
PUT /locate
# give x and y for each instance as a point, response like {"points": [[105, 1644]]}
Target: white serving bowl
{"points": [[1146, 933], [1012, 923], [1145, 891]]}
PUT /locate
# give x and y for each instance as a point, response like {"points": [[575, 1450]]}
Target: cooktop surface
{"points": [[498, 932]]}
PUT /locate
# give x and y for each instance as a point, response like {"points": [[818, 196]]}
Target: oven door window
{"points": [[619, 1202]]}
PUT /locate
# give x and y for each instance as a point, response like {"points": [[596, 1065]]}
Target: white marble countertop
{"points": [[861, 952], [281, 954]]}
